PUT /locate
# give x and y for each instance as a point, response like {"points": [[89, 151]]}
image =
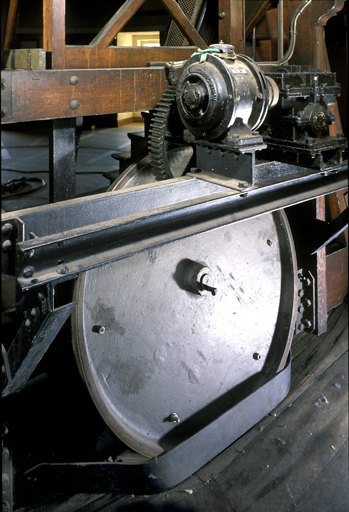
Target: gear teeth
{"points": [[157, 134]]}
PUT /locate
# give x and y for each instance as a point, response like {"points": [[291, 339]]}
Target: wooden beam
{"points": [[47, 25], [183, 23], [116, 23], [230, 28], [11, 24], [81, 57], [58, 34], [40, 95]]}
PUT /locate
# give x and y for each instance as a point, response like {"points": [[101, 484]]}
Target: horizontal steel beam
{"points": [[40, 95], [49, 257]]}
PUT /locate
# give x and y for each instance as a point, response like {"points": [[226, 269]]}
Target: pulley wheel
{"points": [[163, 335]]}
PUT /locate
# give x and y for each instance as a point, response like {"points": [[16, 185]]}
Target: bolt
{"points": [[307, 303], [6, 229], [256, 356], [29, 254], [243, 184], [101, 329], [3, 111], [27, 323], [174, 417], [301, 327], [73, 80], [307, 282], [5, 454], [306, 323], [27, 272], [74, 104], [300, 293], [221, 15], [301, 309], [195, 170], [6, 246], [269, 242], [33, 312], [259, 96]]}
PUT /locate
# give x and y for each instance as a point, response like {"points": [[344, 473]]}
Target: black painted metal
{"points": [[328, 232], [62, 152], [245, 407], [63, 254]]}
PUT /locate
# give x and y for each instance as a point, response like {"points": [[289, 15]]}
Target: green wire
{"points": [[204, 53]]}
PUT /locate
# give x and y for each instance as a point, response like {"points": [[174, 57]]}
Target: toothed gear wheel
{"points": [[158, 133]]}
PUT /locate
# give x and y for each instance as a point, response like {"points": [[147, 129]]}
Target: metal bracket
{"points": [[305, 320], [327, 232], [28, 59]]}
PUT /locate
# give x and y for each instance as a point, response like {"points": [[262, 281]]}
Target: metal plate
{"points": [[152, 352]]}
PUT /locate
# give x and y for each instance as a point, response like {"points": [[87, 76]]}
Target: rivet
{"points": [[62, 270], [174, 417], [73, 80], [27, 272], [6, 246], [6, 229], [269, 242], [74, 104]]}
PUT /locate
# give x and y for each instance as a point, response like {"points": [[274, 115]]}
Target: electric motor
{"points": [[218, 89]]}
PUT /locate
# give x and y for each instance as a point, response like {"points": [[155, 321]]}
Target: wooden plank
{"points": [[58, 34], [327, 492], [38, 95], [11, 24], [183, 23], [116, 23], [81, 57], [292, 451], [255, 11], [337, 277]]}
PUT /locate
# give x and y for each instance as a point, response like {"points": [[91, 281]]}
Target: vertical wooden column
{"points": [[62, 137], [230, 25]]}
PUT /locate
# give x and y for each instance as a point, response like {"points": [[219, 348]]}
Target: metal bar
{"points": [[321, 288], [39, 261], [39, 95], [62, 159], [183, 23], [331, 231], [40, 343], [116, 23]]}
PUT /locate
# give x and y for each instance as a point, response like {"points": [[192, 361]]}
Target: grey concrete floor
{"points": [[26, 154]]}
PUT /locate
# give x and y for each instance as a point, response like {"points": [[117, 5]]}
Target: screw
{"points": [[174, 417], [27, 272], [256, 356], [6, 229], [6, 246], [73, 80], [74, 104]]}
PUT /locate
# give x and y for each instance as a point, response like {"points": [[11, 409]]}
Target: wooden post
{"points": [[11, 24], [230, 25]]}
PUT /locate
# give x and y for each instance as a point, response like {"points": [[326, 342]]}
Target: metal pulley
{"points": [[217, 90]]}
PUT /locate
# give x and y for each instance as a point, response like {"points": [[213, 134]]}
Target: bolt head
{"points": [[73, 80], [27, 272], [256, 356], [74, 104], [6, 246], [6, 229]]}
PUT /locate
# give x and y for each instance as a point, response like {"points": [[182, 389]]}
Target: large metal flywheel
{"points": [[163, 336]]}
